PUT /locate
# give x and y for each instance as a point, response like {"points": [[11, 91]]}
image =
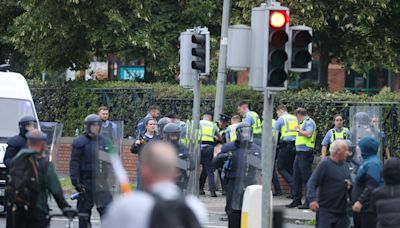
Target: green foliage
{"points": [[70, 102]]}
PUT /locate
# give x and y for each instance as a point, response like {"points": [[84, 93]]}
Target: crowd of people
{"points": [[167, 162]]}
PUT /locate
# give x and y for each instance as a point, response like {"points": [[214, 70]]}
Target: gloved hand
{"points": [[69, 212], [80, 188]]}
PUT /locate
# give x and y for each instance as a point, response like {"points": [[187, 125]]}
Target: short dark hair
{"points": [[153, 107], [101, 108], [281, 107], [171, 115], [300, 111], [242, 102]]}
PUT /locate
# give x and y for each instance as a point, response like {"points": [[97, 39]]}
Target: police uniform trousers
{"points": [[326, 219], [234, 216], [207, 172], [88, 199], [275, 180], [285, 160], [302, 172]]}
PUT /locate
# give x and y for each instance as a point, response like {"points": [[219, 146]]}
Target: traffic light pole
{"points": [[221, 78], [268, 159], [196, 101]]}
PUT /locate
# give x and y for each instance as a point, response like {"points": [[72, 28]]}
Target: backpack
{"points": [[173, 213], [24, 179]]}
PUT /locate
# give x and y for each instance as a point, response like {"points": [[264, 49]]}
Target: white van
{"points": [[15, 102]]}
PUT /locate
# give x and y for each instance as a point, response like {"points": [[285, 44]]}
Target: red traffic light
{"points": [[278, 19]]}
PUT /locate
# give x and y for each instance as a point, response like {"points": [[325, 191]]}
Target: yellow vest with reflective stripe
{"points": [[207, 131], [232, 132], [289, 126], [344, 134], [256, 122], [304, 141]]}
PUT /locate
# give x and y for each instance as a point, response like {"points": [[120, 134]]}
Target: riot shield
{"points": [[246, 161], [364, 122], [190, 166], [54, 132]]}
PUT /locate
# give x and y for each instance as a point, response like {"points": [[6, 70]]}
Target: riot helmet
{"points": [[161, 124], [362, 118], [244, 134], [171, 133], [26, 121], [92, 120]]}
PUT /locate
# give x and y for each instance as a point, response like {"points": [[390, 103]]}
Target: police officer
{"points": [[209, 133], [251, 118], [14, 145], [232, 156], [305, 144], [230, 133], [223, 126], [172, 134], [337, 132], [85, 165], [161, 124], [286, 125]]}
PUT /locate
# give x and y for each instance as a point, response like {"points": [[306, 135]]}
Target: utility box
{"points": [[239, 44]]}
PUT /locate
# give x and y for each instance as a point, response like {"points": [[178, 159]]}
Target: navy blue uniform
{"points": [[14, 145], [183, 178], [84, 167], [232, 157]]}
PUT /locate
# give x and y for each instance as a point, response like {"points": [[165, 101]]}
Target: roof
{"points": [[13, 85]]}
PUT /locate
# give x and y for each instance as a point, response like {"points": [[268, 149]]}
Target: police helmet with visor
{"points": [[171, 132], [92, 120]]}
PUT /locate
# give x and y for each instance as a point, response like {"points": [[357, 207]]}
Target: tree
{"points": [[60, 34]]}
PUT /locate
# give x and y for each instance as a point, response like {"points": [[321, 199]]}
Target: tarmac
{"points": [[216, 209]]}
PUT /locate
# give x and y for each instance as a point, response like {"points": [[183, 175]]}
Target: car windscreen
{"points": [[11, 111]]}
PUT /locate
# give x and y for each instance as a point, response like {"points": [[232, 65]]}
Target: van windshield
{"points": [[12, 110]]}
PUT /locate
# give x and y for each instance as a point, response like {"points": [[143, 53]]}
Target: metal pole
{"points": [[221, 78], [196, 101], [268, 155]]}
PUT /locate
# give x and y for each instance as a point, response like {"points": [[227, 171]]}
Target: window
{"points": [[372, 81], [307, 78]]}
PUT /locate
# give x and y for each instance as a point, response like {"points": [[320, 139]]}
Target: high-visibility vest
{"points": [[207, 131], [289, 126], [304, 141], [344, 134], [256, 122], [232, 132]]}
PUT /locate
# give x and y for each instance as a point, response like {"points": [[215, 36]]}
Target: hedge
{"points": [[70, 102]]}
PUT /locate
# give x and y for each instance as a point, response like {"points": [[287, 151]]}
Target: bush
{"points": [[70, 102]]}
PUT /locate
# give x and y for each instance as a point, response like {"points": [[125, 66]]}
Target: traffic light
{"points": [[278, 28], [201, 52], [301, 48], [186, 73]]}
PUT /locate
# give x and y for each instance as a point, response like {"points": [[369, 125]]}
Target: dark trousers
{"points": [[86, 202], [8, 210], [221, 179], [275, 180], [364, 219], [207, 171], [234, 216], [302, 172], [285, 160], [32, 218], [326, 219]]}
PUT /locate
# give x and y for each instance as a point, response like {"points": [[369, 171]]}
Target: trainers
{"points": [[202, 192], [303, 206], [293, 204], [213, 194]]}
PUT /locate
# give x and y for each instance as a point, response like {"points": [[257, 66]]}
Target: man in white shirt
{"points": [[158, 171]]}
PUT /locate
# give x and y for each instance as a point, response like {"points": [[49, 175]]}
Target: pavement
{"points": [[294, 218]]}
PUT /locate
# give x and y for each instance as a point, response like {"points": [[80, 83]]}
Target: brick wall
{"points": [[64, 156], [336, 77]]}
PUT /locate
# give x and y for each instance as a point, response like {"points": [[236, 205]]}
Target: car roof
{"points": [[14, 85]]}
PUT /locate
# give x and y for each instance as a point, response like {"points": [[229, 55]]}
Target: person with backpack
{"points": [[15, 144], [31, 178], [161, 204]]}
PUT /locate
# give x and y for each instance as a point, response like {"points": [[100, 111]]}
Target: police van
{"points": [[15, 102]]}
